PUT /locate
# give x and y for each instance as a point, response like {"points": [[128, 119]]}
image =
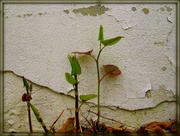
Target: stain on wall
{"points": [[66, 11], [145, 10], [159, 43], [92, 10], [166, 8], [31, 14], [133, 9]]}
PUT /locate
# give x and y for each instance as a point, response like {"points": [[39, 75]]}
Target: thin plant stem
{"points": [[29, 111], [29, 116], [45, 128], [103, 77], [81, 105], [99, 87], [76, 104], [99, 84]]}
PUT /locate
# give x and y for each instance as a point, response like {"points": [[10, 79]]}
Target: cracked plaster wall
{"points": [[38, 38]]}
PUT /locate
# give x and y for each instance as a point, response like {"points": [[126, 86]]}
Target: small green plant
{"points": [[110, 69], [26, 97], [73, 80]]}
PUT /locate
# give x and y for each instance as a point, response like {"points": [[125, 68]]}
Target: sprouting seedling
{"points": [[110, 69], [26, 97], [73, 79]]}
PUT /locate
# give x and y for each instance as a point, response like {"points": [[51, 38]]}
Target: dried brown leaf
{"points": [[68, 126]]}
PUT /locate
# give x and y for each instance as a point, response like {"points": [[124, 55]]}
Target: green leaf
{"points": [[35, 110], [36, 113], [38, 117], [75, 66], [87, 97], [69, 127], [101, 33], [25, 83], [111, 41], [70, 79]]}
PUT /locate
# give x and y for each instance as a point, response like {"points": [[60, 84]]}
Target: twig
{"points": [[113, 120], [87, 120], [29, 115], [93, 126], [51, 127], [80, 127]]}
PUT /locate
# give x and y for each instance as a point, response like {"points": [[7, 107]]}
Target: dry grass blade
{"points": [[52, 126]]}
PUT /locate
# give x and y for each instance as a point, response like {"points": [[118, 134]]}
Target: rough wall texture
{"points": [[38, 38]]}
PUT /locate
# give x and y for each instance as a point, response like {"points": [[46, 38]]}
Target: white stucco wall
{"points": [[38, 37]]}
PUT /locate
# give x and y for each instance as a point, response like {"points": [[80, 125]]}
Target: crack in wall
{"points": [[150, 94], [49, 103], [41, 86]]}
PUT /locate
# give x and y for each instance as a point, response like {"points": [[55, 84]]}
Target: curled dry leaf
{"points": [[122, 130], [85, 53], [68, 126], [156, 127]]}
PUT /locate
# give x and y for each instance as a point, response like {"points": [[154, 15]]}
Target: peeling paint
{"points": [[167, 95], [45, 97], [159, 43], [125, 26], [170, 19], [148, 94], [145, 10], [92, 10], [153, 94], [151, 99]]}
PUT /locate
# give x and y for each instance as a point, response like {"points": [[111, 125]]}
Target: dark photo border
{"points": [[2, 2]]}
